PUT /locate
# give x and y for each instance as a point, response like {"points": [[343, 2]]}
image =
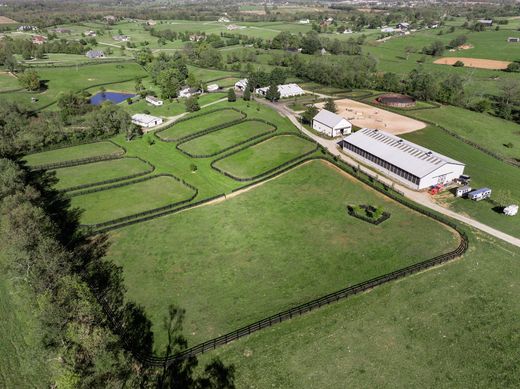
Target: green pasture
{"points": [[283, 243], [264, 156], [71, 153], [199, 123], [488, 131], [207, 75], [217, 141], [93, 173], [452, 326], [52, 59], [130, 199], [485, 171], [8, 82]]}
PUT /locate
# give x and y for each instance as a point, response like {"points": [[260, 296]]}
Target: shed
{"points": [[241, 84], [154, 100], [94, 54], [331, 124], [212, 88]]}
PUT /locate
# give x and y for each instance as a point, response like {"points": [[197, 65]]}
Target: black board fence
{"points": [[203, 131], [150, 169], [159, 361], [140, 214], [270, 130]]}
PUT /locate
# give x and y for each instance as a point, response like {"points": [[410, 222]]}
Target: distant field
{"points": [[217, 141], [8, 82], [127, 200], [281, 244], [192, 126], [71, 153], [6, 20], [474, 62], [99, 171], [264, 156]]}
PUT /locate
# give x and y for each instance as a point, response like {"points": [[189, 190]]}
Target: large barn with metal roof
{"points": [[411, 164]]}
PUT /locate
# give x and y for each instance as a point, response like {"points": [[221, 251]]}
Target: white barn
{"points": [[404, 161], [286, 90], [241, 84], [154, 101], [331, 124], [146, 121]]}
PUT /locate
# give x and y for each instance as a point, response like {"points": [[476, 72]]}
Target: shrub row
{"points": [[117, 179], [268, 172], [140, 214], [269, 131], [64, 145], [76, 162], [183, 119], [351, 211]]}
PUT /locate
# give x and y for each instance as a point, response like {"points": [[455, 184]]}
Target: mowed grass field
{"points": [[130, 199], [485, 171], [199, 123], [454, 326], [93, 173], [280, 244], [217, 141], [8, 82], [488, 131], [72, 153], [265, 155]]}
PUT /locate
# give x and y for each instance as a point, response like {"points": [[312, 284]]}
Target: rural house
{"points": [[146, 121], [486, 22], [331, 124], [188, 92], [154, 100], [411, 164], [38, 39], [95, 54], [241, 84]]}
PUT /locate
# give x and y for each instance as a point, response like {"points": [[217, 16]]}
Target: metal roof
{"points": [[328, 118], [406, 155], [144, 118]]}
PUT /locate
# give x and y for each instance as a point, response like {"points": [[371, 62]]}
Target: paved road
{"points": [[422, 198]]}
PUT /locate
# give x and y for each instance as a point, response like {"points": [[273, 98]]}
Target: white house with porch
{"points": [[331, 124]]}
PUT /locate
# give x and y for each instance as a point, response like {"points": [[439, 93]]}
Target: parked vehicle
{"points": [[479, 194], [463, 191], [436, 189]]}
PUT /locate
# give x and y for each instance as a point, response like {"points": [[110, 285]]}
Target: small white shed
{"points": [[331, 124], [146, 121]]}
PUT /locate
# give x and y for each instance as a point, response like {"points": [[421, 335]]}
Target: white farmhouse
{"points": [[146, 121], [241, 84], [154, 101], [330, 124], [404, 161]]}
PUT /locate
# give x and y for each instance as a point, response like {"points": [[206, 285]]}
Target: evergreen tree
{"points": [[272, 93], [309, 114], [330, 105], [231, 96], [247, 94], [192, 104]]}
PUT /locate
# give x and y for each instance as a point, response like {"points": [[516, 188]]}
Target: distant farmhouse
{"points": [[285, 90], [212, 88], [95, 54], [62, 30], [331, 124], [402, 26], [121, 38], [90, 33], [304, 21], [188, 92], [39, 39], [411, 164], [110, 19], [154, 101], [486, 22], [513, 39], [146, 121], [197, 38], [27, 28], [223, 19], [151, 22]]}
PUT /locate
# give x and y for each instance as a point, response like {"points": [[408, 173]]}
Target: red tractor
{"points": [[436, 189]]}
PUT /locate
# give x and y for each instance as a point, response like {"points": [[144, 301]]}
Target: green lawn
{"points": [[93, 173], [264, 156], [283, 243], [199, 123], [490, 132], [485, 171], [170, 108], [130, 199], [217, 141], [8, 82], [24, 363], [455, 326], [71, 153]]}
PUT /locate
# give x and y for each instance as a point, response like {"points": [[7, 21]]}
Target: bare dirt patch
{"points": [[474, 62], [6, 20], [364, 115]]}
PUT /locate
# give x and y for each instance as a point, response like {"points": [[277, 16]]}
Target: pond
{"points": [[114, 97]]}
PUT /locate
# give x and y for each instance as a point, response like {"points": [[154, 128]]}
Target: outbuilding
{"points": [[241, 84], [146, 121], [212, 88], [479, 194], [95, 54], [511, 210], [411, 164], [331, 124], [154, 100], [188, 92], [463, 190], [286, 90]]}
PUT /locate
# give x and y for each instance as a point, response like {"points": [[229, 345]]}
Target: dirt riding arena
{"points": [[364, 115], [474, 62]]}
